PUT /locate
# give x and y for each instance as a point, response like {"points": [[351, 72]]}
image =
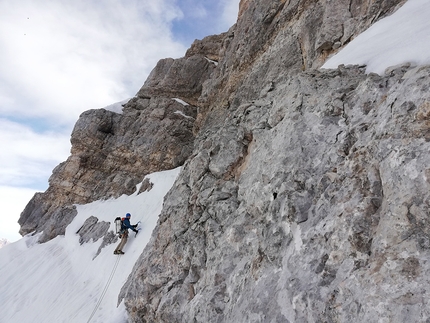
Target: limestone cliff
{"points": [[304, 194], [113, 152], [307, 205]]}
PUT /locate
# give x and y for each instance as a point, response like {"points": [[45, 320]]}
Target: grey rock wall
{"points": [[111, 153], [309, 204], [304, 194], [297, 203], [272, 38]]}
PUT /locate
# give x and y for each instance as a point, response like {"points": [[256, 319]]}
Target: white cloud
{"points": [[28, 157], [197, 11], [66, 57], [26, 162]]}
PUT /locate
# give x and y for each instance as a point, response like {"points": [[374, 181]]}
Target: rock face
{"points": [[309, 204], [304, 194], [111, 152], [284, 37]]}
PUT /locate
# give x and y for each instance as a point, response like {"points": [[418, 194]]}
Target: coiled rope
{"points": [[106, 288]]}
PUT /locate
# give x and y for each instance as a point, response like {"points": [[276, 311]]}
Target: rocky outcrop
{"points": [[309, 204], [209, 47], [92, 230], [295, 205], [284, 37], [304, 193], [112, 152]]}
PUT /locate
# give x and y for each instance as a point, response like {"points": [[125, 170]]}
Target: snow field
{"points": [[59, 281], [400, 38]]}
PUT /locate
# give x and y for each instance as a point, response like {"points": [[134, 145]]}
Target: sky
{"points": [[60, 58], [79, 287]]}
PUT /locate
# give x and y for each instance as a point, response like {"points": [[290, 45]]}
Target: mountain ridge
{"points": [[303, 193]]}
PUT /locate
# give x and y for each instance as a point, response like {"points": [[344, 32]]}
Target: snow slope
{"points": [[3, 242], [402, 37], [59, 281]]}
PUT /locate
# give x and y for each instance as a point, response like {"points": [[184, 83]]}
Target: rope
{"points": [[110, 279], [105, 289]]}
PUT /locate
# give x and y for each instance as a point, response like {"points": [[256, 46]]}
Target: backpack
{"points": [[118, 225]]}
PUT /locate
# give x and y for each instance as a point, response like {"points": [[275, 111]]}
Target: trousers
{"points": [[124, 238]]}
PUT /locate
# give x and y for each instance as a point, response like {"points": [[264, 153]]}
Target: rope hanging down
{"points": [[106, 288], [110, 279]]}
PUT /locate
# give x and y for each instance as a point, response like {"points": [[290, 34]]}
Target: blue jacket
{"points": [[126, 225]]}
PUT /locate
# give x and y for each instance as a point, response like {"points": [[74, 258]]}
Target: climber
{"points": [[125, 225]]}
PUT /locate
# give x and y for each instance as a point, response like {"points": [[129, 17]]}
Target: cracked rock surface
{"points": [[309, 204], [304, 193]]}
